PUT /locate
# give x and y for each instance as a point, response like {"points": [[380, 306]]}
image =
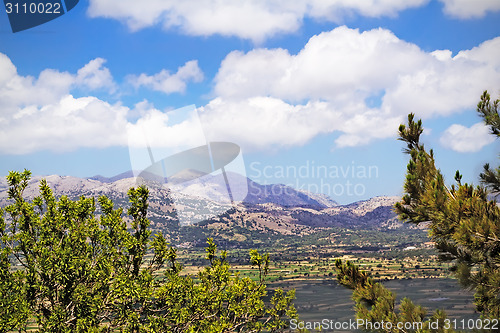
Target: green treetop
{"points": [[81, 271], [463, 221]]}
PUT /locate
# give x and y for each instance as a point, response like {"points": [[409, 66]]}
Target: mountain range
{"points": [[266, 209]]}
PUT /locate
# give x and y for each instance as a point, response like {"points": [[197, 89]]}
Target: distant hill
{"points": [[250, 192], [123, 175], [266, 210], [214, 186]]}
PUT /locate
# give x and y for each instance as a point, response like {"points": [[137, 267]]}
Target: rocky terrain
{"points": [[272, 209]]}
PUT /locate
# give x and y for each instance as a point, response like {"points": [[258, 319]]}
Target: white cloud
{"points": [[466, 139], [7, 69], [162, 133], [264, 98], [344, 63], [362, 129], [63, 126], [50, 86], [332, 63], [450, 84], [470, 9], [342, 70], [94, 76], [74, 123], [169, 83], [238, 18], [41, 114], [264, 122]]}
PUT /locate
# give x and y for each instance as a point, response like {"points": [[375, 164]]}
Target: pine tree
{"points": [[489, 112], [376, 308], [463, 221]]}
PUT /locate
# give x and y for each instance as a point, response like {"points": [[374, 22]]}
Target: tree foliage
{"points": [[489, 112], [85, 268], [376, 305], [463, 221]]}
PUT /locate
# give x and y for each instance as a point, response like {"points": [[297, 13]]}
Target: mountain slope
{"points": [[272, 209]]}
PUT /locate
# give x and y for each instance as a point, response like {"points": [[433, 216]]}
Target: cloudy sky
{"points": [[312, 91]]}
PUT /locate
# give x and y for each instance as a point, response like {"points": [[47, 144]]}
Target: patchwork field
{"points": [[326, 299]]}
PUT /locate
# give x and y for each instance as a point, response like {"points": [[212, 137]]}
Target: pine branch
{"points": [[489, 112], [491, 179]]}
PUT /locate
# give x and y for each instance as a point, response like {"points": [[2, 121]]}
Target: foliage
{"points": [[489, 112], [219, 302], [87, 272], [13, 306], [464, 223], [375, 304]]}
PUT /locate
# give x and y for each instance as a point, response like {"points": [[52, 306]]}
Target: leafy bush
{"points": [[84, 272]]}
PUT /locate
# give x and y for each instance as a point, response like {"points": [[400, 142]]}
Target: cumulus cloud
{"points": [[51, 84], [94, 76], [237, 18], [18, 90], [345, 63], [41, 113], [466, 139], [440, 87], [169, 83], [263, 122], [162, 133], [359, 85], [470, 9], [342, 70], [361, 129], [330, 64], [63, 126]]}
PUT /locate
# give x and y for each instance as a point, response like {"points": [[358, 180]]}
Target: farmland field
{"points": [[326, 299]]}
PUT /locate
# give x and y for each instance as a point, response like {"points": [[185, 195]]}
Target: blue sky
{"points": [[301, 86]]}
